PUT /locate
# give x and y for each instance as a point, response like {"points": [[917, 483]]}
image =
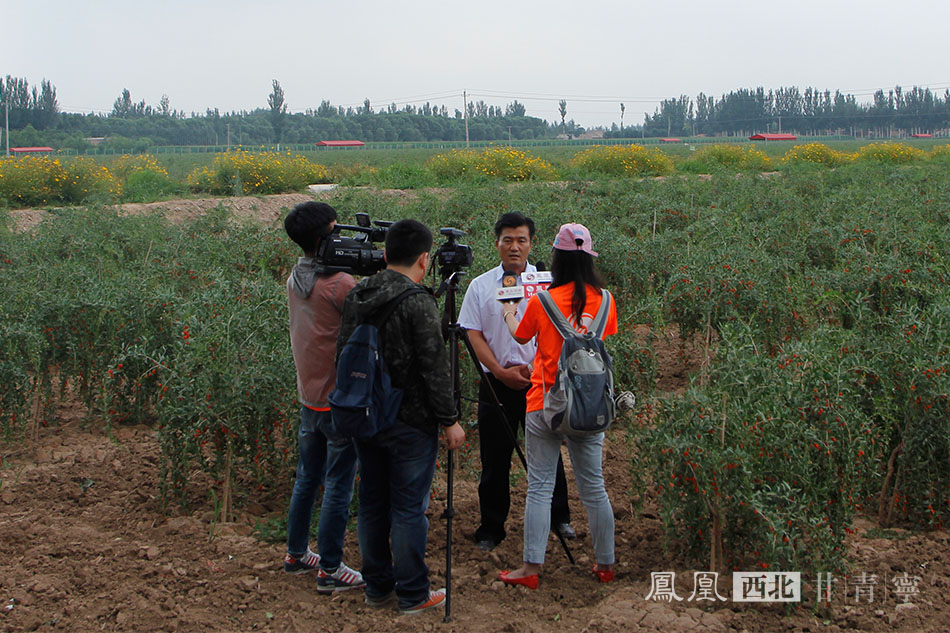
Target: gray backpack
{"points": [[581, 401]]}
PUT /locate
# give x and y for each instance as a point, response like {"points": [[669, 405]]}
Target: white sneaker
{"points": [[342, 579], [306, 563]]}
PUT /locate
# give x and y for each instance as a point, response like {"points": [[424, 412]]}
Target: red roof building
{"points": [[341, 144], [773, 137], [921, 135], [670, 140], [30, 150]]}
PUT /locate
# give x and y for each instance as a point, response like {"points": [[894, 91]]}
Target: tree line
{"points": [[133, 125], [788, 109], [36, 107], [35, 119]]}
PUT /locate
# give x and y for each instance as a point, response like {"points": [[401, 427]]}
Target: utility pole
{"points": [[465, 113], [228, 126], [509, 133], [6, 116]]}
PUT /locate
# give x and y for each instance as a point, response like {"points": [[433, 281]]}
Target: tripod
{"points": [[450, 325], [453, 332]]}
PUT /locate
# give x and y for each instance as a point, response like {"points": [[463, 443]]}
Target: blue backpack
{"points": [[364, 401]]}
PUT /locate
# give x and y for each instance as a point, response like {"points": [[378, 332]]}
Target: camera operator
{"points": [[507, 366], [315, 299], [397, 464]]}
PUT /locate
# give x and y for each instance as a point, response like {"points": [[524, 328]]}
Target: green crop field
{"points": [[819, 297]]}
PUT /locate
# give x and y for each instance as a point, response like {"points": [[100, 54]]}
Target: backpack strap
{"points": [[603, 313], [554, 314]]}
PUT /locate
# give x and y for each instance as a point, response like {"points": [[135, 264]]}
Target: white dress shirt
{"points": [[483, 312]]}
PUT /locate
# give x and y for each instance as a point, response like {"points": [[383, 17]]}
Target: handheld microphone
{"points": [[510, 291], [536, 281]]}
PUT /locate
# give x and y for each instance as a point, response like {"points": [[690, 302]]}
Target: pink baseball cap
{"points": [[574, 237]]}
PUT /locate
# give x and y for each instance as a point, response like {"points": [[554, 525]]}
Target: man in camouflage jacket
{"points": [[397, 464]]}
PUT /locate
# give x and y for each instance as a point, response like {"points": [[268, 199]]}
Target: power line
{"points": [[409, 100], [583, 98], [933, 87], [871, 91]]}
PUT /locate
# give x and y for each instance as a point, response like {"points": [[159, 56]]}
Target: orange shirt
{"points": [[536, 322]]}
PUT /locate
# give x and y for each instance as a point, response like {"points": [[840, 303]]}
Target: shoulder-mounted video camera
{"points": [[356, 254]]}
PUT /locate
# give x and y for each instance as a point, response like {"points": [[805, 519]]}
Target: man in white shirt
{"points": [[507, 365]]}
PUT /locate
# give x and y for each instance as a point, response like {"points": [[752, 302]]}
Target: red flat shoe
{"points": [[605, 575], [531, 582]]}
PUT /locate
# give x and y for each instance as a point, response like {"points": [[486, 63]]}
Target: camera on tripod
{"points": [[357, 254], [452, 255]]}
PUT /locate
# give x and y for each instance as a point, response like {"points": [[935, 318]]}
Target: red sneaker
{"points": [[605, 575]]}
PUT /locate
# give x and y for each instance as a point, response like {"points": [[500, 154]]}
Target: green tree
{"points": [[125, 108], [562, 108], [45, 107], [27, 137], [278, 110], [674, 116], [16, 94], [326, 109], [514, 109]]}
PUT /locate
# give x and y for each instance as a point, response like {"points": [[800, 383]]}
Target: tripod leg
{"points": [[449, 514], [495, 401]]}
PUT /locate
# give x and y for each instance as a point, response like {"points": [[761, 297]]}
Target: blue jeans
{"points": [[396, 468], [543, 447], [323, 459]]}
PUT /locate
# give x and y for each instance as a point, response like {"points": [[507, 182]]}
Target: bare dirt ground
{"points": [[263, 208], [85, 546]]}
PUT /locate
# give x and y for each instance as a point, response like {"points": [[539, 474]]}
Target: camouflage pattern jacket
{"points": [[413, 347]]}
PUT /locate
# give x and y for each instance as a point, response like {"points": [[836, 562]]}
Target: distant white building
{"points": [[593, 134]]}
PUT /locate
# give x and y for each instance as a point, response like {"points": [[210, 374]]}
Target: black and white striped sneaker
{"points": [[306, 563], [340, 580]]}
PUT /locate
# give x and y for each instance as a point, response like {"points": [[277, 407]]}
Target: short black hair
{"points": [[406, 240], [513, 220], [308, 222]]}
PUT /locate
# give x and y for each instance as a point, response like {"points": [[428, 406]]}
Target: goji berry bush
{"points": [[826, 393], [180, 327], [819, 297]]}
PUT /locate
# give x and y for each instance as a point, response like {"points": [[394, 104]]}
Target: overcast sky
{"points": [[593, 53]]}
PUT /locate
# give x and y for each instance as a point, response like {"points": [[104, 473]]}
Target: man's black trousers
{"points": [[496, 450]]}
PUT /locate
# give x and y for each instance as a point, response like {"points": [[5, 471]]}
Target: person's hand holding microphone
{"points": [[510, 295]]}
